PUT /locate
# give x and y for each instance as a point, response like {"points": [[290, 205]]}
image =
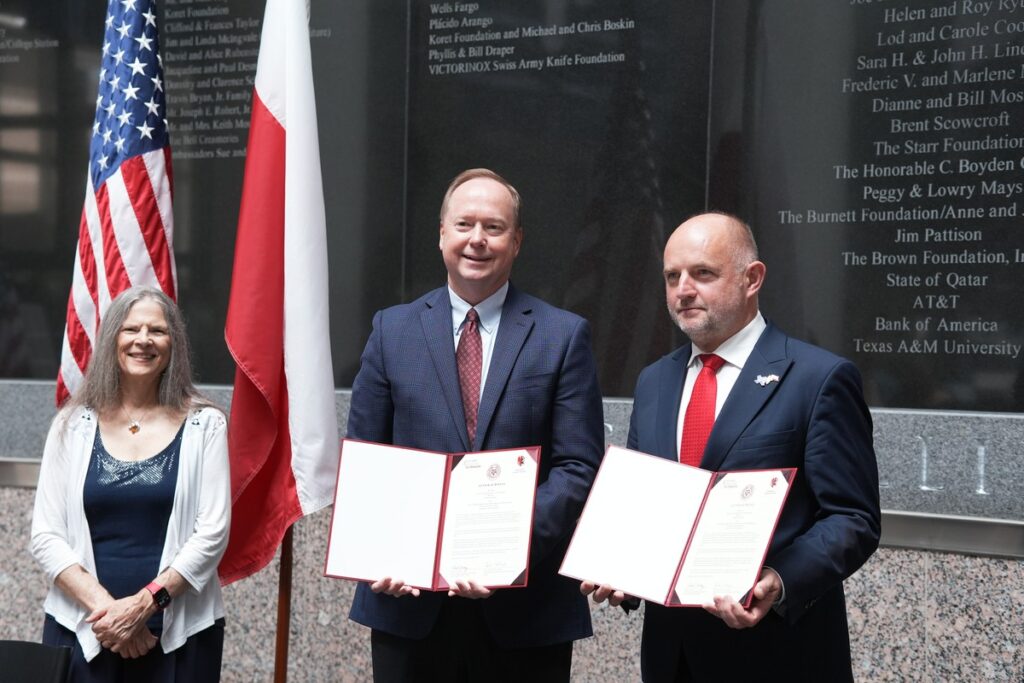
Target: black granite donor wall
{"points": [[879, 147], [597, 113], [876, 147], [49, 64]]}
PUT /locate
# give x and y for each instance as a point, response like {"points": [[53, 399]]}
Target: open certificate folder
{"points": [[429, 519], [674, 534]]}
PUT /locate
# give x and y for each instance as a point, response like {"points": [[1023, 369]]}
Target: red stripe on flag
{"points": [[87, 263], [62, 389], [78, 340], [144, 203], [117, 276], [265, 502]]}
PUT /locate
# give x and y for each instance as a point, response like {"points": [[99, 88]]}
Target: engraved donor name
{"points": [[937, 235]]}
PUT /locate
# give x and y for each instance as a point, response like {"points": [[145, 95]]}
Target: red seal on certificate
{"points": [[521, 460], [748, 491], [494, 471]]}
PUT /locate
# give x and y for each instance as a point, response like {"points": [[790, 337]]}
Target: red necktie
{"points": [[700, 412], [469, 357]]}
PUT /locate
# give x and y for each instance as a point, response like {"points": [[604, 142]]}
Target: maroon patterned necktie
{"points": [[700, 412], [469, 357]]}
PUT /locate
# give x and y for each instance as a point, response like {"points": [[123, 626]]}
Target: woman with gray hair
{"points": [[133, 507]]}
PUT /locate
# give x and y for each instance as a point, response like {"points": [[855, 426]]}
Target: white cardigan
{"points": [[197, 531]]}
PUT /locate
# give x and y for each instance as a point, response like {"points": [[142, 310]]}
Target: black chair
{"points": [[23, 662]]}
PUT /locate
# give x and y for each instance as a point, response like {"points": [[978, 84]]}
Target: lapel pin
{"points": [[765, 380]]}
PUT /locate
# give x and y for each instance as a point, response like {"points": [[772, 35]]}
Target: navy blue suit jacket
{"points": [[813, 418], [541, 389]]}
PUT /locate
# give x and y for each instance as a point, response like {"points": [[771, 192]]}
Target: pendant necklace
{"points": [[134, 426]]}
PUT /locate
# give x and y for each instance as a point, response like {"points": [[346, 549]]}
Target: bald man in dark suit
{"points": [[780, 403]]}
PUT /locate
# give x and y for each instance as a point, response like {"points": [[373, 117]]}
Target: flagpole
{"points": [[284, 609]]}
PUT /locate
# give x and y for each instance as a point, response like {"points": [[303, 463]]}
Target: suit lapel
{"points": [[670, 393], [436, 319], [514, 328], [748, 396]]}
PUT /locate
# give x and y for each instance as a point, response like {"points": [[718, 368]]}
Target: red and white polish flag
{"points": [[283, 431]]}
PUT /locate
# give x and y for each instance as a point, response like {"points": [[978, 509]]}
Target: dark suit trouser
{"points": [[684, 644], [460, 649]]}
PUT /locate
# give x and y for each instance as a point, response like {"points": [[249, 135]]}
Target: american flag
{"points": [[126, 230]]}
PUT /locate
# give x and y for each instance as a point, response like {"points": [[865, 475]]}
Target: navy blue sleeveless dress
{"points": [[128, 505]]}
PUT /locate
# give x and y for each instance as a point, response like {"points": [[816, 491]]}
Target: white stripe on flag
{"points": [[69, 370], [307, 350], [92, 217], [130, 241], [156, 169], [85, 309]]}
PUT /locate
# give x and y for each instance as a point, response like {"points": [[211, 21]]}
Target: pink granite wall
{"points": [[914, 616]]}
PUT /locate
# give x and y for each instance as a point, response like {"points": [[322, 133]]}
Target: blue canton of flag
{"points": [[130, 112]]}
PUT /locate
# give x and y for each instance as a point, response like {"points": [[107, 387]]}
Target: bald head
{"points": [[736, 235], [712, 277]]}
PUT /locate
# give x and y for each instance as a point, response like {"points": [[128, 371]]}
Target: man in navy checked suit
{"points": [[538, 387]]}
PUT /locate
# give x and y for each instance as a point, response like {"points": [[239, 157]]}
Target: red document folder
{"points": [[429, 519], [685, 534]]}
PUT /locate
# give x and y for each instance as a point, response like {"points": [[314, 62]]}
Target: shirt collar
{"points": [[489, 309], [736, 349]]}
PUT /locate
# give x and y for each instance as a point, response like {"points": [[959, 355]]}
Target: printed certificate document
{"points": [[429, 519], [674, 534]]}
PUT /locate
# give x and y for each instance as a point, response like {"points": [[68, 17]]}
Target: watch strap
{"points": [[160, 595]]}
